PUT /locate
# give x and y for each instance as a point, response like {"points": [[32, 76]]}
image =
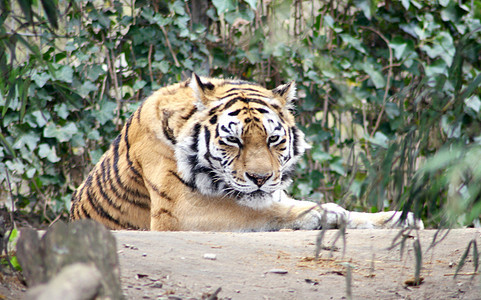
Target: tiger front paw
{"points": [[328, 216]]}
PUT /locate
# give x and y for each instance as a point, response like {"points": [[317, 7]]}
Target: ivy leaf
{"points": [[94, 72], [93, 135], [451, 13], [106, 112], [86, 88], [365, 6], [163, 66], [29, 139], [392, 110], [62, 134], [353, 42], [41, 118], [376, 77], [139, 84], [95, 155], [70, 46], [406, 4], [65, 74], [31, 172], [474, 103], [15, 166], [61, 110], [41, 78], [304, 188], [379, 139], [416, 4], [438, 67], [336, 165], [319, 155], [252, 4], [442, 46], [189, 64], [178, 7], [223, 6], [46, 151], [402, 47], [99, 16]]}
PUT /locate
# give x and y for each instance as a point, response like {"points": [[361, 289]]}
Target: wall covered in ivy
{"points": [[389, 92]]}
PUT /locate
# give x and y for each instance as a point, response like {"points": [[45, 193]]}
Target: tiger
{"points": [[211, 154]]}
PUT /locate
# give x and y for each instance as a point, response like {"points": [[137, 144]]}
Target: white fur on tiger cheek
{"points": [[203, 181], [181, 154], [289, 153]]}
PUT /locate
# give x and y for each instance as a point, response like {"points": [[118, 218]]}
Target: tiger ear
{"points": [[201, 90], [287, 92]]}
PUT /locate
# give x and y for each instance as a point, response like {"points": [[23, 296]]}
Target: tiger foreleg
{"points": [[388, 219], [360, 220]]}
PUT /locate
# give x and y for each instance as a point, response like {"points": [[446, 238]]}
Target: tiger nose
{"points": [[258, 179]]}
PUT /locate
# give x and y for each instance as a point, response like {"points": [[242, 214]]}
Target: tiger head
{"points": [[242, 143]]}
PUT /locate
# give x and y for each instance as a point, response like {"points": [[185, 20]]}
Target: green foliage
{"points": [[389, 91], [11, 244], [399, 83]]}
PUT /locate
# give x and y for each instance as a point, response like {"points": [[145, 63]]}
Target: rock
{"points": [[30, 257], [83, 241], [278, 271], [74, 282], [210, 256]]}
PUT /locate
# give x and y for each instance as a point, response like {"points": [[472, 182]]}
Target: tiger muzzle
{"points": [[258, 179]]}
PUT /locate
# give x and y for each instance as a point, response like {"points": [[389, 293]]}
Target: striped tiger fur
{"points": [[208, 154]]}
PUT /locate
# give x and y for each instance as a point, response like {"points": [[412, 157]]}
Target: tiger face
{"points": [[251, 140], [244, 143]]}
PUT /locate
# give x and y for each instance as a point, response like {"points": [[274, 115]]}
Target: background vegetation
{"points": [[389, 91]]}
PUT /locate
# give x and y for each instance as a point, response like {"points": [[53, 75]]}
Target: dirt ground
{"points": [[280, 265]]}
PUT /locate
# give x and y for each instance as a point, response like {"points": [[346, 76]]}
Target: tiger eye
{"points": [[273, 138], [232, 139]]}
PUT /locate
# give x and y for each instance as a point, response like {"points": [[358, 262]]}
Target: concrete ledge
{"points": [[279, 265]]}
